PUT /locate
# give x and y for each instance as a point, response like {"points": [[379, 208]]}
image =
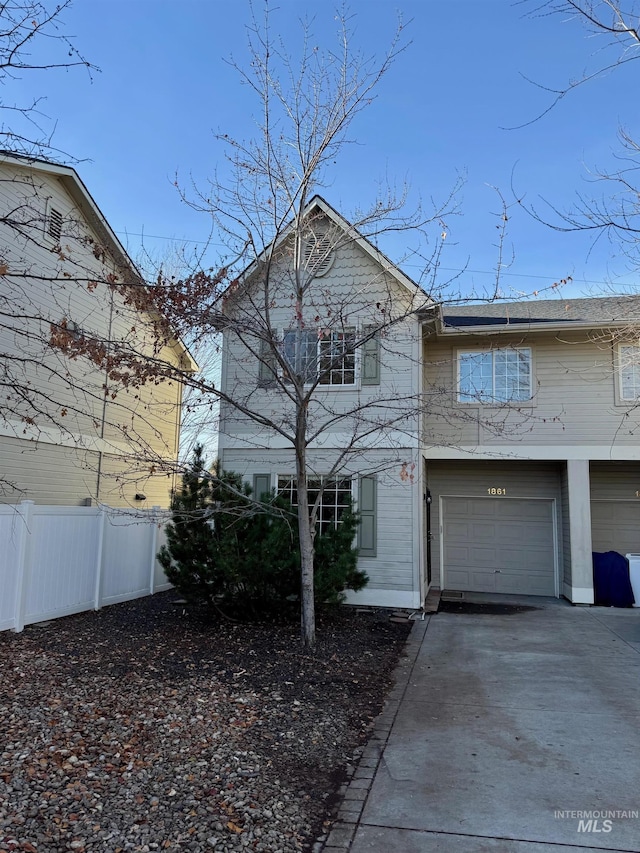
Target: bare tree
{"points": [[615, 211], [287, 339], [32, 39], [200, 410]]}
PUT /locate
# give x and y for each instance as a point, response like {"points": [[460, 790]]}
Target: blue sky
{"points": [[165, 86]]}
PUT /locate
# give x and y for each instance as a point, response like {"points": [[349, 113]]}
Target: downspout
{"points": [[104, 402]]}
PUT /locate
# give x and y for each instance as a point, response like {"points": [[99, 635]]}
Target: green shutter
{"points": [[367, 506], [267, 368], [371, 357], [261, 485]]}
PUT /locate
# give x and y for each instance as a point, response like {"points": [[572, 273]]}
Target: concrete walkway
{"points": [[502, 730]]}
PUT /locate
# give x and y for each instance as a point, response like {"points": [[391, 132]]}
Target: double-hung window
{"points": [[337, 357], [629, 356], [300, 350], [328, 357], [496, 376], [336, 496]]}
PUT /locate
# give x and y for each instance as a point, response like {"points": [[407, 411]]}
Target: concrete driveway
{"points": [[515, 732]]}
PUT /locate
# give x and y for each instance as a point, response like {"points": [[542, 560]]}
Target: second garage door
{"points": [[503, 545], [615, 526]]}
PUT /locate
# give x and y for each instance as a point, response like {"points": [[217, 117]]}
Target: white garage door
{"points": [[615, 526], [500, 545]]}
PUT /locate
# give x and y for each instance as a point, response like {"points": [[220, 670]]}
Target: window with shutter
{"points": [[261, 486], [336, 497], [367, 510], [371, 356], [267, 367]]}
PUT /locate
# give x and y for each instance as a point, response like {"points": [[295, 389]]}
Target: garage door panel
{"points": [[482, 532], [615, 526], [502, 546], [531, 584]]}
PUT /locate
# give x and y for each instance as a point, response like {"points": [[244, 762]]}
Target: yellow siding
{"points": [[47, 283]]}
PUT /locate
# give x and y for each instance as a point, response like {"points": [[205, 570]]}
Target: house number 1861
{"points": [[494, 491]]}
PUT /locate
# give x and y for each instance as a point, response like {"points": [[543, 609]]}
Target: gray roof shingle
{"points": [[599, 310]]}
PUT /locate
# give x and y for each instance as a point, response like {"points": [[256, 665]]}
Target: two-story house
{"points": [[73, 431], [486, 447], [532, 453], [347, 320]]}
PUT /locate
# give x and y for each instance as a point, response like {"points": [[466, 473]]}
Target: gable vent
{"points": [[318, 254], [55, 224]]}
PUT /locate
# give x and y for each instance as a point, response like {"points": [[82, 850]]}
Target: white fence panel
{"points": [[55, 561], [160, 579], [128, 542], [60, 577], [11, 532]]}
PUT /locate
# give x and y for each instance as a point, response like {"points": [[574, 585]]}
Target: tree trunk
{"points": [[307, 602]]}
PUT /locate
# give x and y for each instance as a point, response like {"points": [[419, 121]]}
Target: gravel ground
{"points": [[142, 728]]}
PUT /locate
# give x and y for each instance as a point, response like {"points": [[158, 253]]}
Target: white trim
{"points": [[492, 401], [419, 520], [580, 595], [554, 521], [371, 597], [317, 384], [622, 400], [522, 328], [322, 478]]}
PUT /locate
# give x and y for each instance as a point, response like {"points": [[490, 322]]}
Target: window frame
{"points": [[291, 490], [492, 401], [626, 401], [320, 339]]}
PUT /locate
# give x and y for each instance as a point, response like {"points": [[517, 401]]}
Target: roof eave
{"points": [[519, 328]]}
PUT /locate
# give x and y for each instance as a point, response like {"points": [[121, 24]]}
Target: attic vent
{"points": [[318, 254], [55, 224]]}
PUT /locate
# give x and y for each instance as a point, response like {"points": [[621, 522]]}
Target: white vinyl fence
{"points": [[59, 560]]}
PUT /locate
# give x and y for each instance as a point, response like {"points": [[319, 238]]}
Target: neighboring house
{"points": [[70, 434], [525, 460]]}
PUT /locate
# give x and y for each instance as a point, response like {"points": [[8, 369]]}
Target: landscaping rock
{"points": [[143, 728]]}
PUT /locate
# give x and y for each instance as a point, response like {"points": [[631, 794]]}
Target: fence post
{"points": [[154, 545], [25, 511], [97, 597]]}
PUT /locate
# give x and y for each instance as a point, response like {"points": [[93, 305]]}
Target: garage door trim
{"points": [[554, 526]]}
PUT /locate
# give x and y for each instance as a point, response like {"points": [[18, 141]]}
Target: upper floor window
{"points": [[327, 357], [496, 376], [629, 372], [337, 358]]}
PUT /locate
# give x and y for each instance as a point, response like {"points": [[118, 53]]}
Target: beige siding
{"points": [[617, 481], [474, 479], [615, 506], [575, 396]]}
